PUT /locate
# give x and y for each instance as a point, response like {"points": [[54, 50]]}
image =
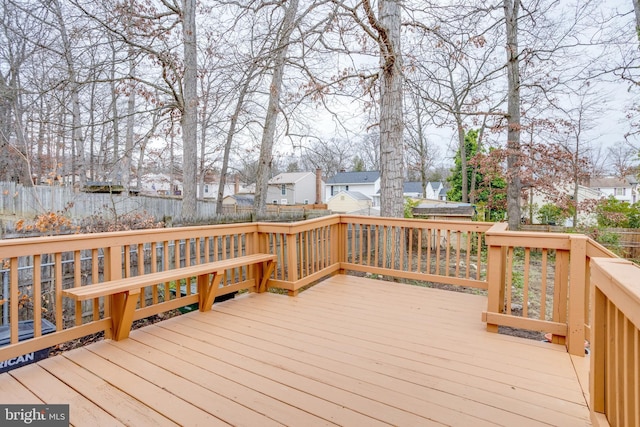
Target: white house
{"points": [[366, 183], [210, 189], [160, 184], [434, 191], [295, 188], [584, 194], [623, 189]]}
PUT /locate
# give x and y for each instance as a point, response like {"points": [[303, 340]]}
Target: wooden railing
{"points": [[540, 281], [36, 270], [448, 252], [615, 343], [307, 251], [537, 281]]}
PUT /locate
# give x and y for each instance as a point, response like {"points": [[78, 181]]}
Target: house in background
{"points": [[536, 200], [434, 191], [237, 203], [296, 188], [349, 202], [161, 184], [623, 189], [366, 183], [210, 190], [211, 186]]}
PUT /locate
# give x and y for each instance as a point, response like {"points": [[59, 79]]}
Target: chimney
{"points": [[236, 184], [318, 186]]}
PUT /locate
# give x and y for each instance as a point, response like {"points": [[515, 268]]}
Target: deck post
{"points": [[577, 283], [292, 262], [495, 282], [112, 271], [341, 240], [598, 336], [561, 294]]}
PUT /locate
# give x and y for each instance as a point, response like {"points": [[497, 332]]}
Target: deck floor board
{"points": [[349, 351]]}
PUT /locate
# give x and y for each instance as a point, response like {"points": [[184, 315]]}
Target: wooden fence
{"points": [[26, 202], [625, 242]]}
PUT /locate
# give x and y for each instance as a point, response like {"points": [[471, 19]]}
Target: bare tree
{"points": [[420, 154], [387, 28], [266, 146], [189, 110], [514, 186], [636, 9], [623, 159], [331, 155], [454, 66]]}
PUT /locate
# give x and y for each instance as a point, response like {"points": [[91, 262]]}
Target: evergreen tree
{"points": [[455, 179]]}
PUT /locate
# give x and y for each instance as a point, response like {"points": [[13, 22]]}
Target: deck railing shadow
{"points": [[562, 284]]}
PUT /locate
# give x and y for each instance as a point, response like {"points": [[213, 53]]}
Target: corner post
{"points": [[292, 262], [496, 280], [577, 289], [598, 348]]}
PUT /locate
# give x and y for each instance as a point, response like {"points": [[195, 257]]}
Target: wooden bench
{"points": [[124, 293]]}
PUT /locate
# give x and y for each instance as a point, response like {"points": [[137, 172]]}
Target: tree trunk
{"points": [[40, 150], [391, 112], [92, 135], [129, 137], [115, 161], [463, 159], [511, 11], [636, 8], [189, 119], [230, 134], [268, 133], [421, 147], [143, 148], [77, 145], [474, 169]]}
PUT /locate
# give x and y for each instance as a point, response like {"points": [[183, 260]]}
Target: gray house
{"points": [[366, 183], [293, 188]]}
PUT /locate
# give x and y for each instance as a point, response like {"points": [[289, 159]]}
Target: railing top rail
{"points": [[528, 239], [298, 226], [70, 242], [617, 279], [498, 227], [418, 223], [595, 249]]}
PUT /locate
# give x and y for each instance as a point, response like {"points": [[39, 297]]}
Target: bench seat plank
{"points": [[124, 293], [88, 292]]}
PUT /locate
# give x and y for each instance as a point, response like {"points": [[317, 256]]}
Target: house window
{"points": [[275, 202], [283, 189], [206, 188], [283, 202], [620, 191], [306, 201]]}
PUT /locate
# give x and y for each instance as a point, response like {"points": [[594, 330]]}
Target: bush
{"points": [[551, 214], [613, 213], [129, 221]]}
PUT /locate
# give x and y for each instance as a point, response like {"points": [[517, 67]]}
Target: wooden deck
{"points": [[350, 351]]}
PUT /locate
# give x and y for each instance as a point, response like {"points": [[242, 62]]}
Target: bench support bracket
{"points": [[123, 306]]}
